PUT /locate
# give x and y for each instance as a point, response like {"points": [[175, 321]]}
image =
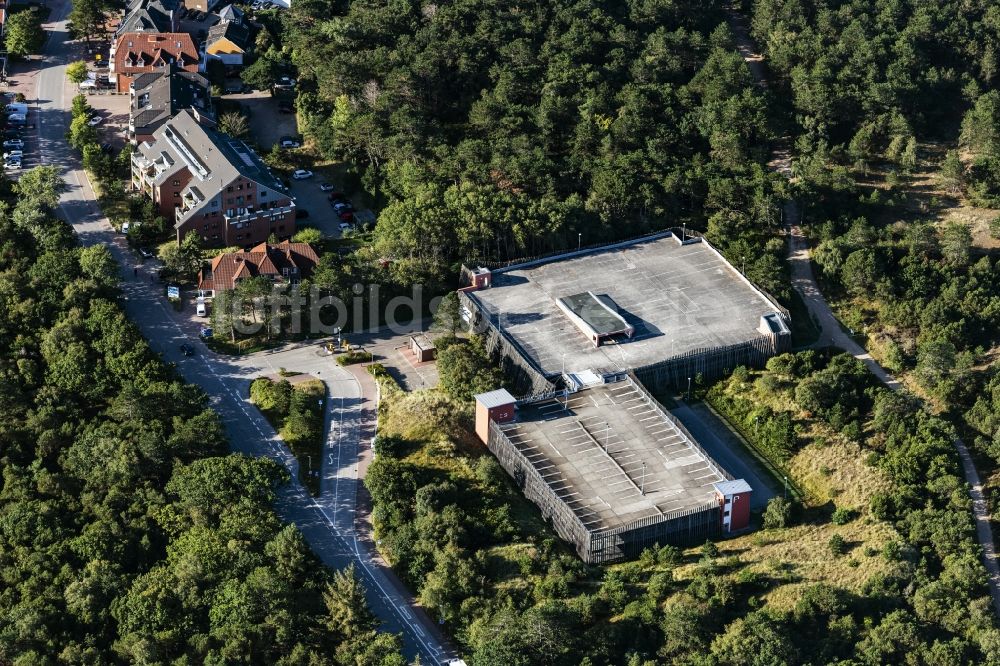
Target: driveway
{"points": [[308, 196], [724, 447], [267, 124]]}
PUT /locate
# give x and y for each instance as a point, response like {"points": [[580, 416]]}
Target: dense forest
{"points": [[878, 564], [494, 130], [894, 110], [127, 534], [868, 82]]}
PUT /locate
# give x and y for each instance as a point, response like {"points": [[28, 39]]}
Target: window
{"points": [[177, 195], [725, 515], [263, 193], [215, 236], [229, 189], [240, 186], [239, 236], [176, 183], [249, 186]]}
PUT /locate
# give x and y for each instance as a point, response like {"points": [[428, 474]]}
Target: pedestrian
{"points": [[135, 272]]}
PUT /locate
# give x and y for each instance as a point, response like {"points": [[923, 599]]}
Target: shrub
{"points": [[837, 545], [842, 515], [778, 513]]}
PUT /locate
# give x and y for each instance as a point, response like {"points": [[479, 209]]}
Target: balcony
{"points": [[241, 219]]}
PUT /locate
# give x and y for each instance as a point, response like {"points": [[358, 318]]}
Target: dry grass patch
{"points": [[832, 470], [796, 557]]}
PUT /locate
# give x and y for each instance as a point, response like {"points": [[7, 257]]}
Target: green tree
{"points": [[264, 71], [348, 615], [88, 19], [956, 242], [981, 125], [952, 172], [234, 124], [77, 72], [81, 134], [23, 34], [98, 264], [447, 315], [778, 513]]}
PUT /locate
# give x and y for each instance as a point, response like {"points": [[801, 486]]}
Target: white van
{"points": [[89, 84], [200, 308]]}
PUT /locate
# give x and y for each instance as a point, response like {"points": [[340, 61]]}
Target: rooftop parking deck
{"points": [[679, 298], [613, 456]]}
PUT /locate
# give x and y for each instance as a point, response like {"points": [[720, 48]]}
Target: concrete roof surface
{"points": [[608, 445], [679, 298]]}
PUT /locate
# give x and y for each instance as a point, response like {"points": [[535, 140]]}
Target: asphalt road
{"points": [[328, 522]]}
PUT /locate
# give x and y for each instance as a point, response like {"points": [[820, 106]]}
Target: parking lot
{"points": [[114, 109]]}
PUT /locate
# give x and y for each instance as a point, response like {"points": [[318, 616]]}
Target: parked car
{"points": [[288, 142], [95, 120], [13, 143], [89, 84], [12, 166], [14, 153], [347, 216], [326, 187], [125, 227], [344, 226], [206, 332], [145, 252], [17, 118], [302, 174], [200, 308], [187, 349]]}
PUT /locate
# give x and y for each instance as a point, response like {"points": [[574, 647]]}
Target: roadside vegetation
{"points": [[296, 412], [128, 534]]}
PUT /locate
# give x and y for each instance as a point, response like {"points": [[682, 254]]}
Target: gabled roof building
{"points": [[158, 96], [282, 262], [211, 184], [135, 53]]}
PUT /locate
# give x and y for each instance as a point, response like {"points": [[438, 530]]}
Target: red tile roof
{"points": [[155, 50], [262, 259]]}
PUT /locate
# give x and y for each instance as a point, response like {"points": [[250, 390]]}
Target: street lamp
{"points": [[643, 489], [607, 435], [579, 241], [785, 494], [689, 388]]}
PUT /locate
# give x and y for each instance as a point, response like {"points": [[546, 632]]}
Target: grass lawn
{"points": [[296, 412]]}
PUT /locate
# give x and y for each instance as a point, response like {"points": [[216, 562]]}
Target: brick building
{"points": [[211, 184], [284, 262], [135, 53]]}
